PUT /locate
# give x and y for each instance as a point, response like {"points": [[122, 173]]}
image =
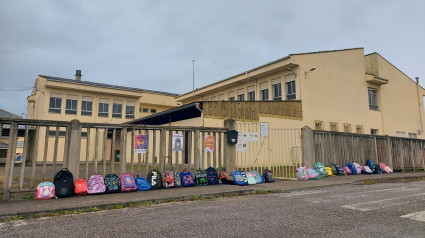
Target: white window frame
{"points": [[117, 108], [71, 104], [373, 96], [57, 103]]}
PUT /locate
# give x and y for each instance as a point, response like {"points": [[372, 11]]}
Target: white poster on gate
{"points": [[242, 145], [177, 142], [253, 136], [264, 129]]}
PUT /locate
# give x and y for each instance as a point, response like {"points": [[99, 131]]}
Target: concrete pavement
{"points": [[32, 208]]}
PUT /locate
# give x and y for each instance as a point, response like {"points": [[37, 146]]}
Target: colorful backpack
{"points": [[320, 169], [142, 184], [358, 168], [312, 174], [80, 187], [187, 178], [45, 190], [329, 171], [367, 170], [155, 179], [212, 176], [128, 183], [112, 183], [385, 168], [251, 178], [226, 178], [333, 167], [374, 167], [340, 170], [201, 177], [257, 176], [352, 168], [245, 178], [64, 183], [347, 170], [268, 176], [177, 180], [96, 184], [237, 176], [302, 174], [168, 179]]}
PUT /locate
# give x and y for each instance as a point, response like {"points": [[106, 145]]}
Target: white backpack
{"points": [[251, 178], [358, 168], [367, 170]]}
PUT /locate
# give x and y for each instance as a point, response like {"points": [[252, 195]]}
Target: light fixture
{"points": [[290, 70], [305, 73]]}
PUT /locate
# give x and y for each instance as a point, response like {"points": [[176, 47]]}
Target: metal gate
{"points": [[279, 151]]}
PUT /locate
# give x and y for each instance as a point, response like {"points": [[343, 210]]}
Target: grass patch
{"points": [[28, 196], [94, 209], [171, 199], [367, 182], [148, 203], [15, 218], [118, 206], [195, 197]]}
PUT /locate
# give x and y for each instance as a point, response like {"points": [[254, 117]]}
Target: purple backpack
{"points": [[128, 183], [347, 170], [96, 184]]}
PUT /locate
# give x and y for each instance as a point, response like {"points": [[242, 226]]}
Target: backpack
{"points": [[142, 184], [329, 171], [367, 170], [64, 183], [201, 177], [237, 176], [374, 167], [340, 170], [128, 183], [257, 176], [45, 190], [112, 183], [177, 180], [263, 180], [80, 187], [333, 167], [358, 168], [168, 179], [320, 168], [302, 174], [268, 176], [96, 184], [226, 178], [245, 178], [352, 168], [251, 178], [347, 170], [212, 176], [187, 178], [312, 174], [155, 179], [385, 168]]}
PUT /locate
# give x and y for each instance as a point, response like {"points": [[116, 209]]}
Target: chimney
{"points": [[78, 75]]}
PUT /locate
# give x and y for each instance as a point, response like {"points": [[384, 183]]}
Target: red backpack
{"points": [[80, 187]]}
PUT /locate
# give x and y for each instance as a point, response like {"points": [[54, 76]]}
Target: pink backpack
{"points": [[128, 183], [358, 168], [96, 184], [45, 190], [302, 174], [347, 170], [385, 168]]}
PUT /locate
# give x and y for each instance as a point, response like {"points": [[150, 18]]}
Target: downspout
{"points": [[419, 103], [382, 110]]}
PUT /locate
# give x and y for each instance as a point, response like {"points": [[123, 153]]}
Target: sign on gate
{"points": [[264, 129], [242, 142]]}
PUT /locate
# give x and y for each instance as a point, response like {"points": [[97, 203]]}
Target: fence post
{"points": [[10, 161], [389, 152], [229, 150], [74, 149], [308, 152], [123, 148], [162, 149]]}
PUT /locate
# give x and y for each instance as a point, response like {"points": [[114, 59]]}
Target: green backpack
{"points": [[333, 167]]}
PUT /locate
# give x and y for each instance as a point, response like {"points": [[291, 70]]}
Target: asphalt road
{"points": [[381, 210]]}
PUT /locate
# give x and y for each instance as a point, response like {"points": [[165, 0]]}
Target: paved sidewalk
{"points": [[31, 208]]}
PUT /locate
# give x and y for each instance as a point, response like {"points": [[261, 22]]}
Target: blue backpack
{"points": [[352, 168], [268, 176], [320, 169], [187, 179], [339, 170], [212, 176], [142, 184], [239, 180]]}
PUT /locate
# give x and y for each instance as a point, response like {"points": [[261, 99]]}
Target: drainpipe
{"points": [[419, 103]]}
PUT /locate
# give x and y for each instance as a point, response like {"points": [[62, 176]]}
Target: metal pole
{"points": [[193, 70]]}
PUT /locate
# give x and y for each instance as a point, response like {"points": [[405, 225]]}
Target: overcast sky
{"points": [[151, 44]]}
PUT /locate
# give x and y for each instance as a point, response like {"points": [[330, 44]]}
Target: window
{"points": [[251, 93], [347, 128], [153, 110], [221, 97], [71, 104], [413, 135], [213, 98], [103, 107], [319, 125], [241, 95], [373, 99], [117, 108], [359, 129], [333, 126], [277, 90], [145, 110], [400, 134], [129, 110], [264, 91], [374, 131], [290, 87], [232, 96], [55, 103], [87, 106]]}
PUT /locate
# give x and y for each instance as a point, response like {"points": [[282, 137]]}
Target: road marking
{"points": [[373, 205], [301, 193], [418, 216]]}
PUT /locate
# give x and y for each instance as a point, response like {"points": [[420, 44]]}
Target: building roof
{"points": [[6, 114], [88, 83]]}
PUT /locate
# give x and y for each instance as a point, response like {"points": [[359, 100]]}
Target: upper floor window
{"points": [[103, 107], [251, 93], [413, 135], [55, 103], [241, 95], [347, 127], [374, 131], [117, 108], [333, 126], [290, 87], [71, 104], [145, 110], [264, 91], [129, 110], [400, 134], [87, 106], [214, 98], [232, 96], [221, 97], [153, 110], [359, 129], [277, 90], [373, 99], [319, 125]]}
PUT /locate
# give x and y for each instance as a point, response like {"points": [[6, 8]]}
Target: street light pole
{"points": [[193, 71]]}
